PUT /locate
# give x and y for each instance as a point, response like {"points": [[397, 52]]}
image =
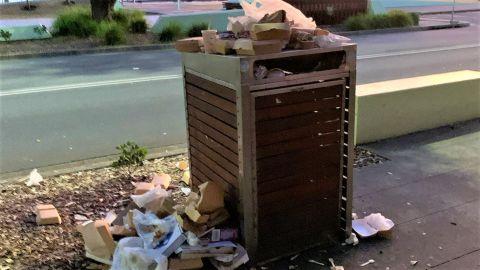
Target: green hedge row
{"points": [[393, 18]]}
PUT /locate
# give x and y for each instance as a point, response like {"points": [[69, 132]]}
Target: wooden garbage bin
{"points": [[282, 148]]}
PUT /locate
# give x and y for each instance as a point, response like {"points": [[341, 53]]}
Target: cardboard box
{"points": [[270, 31], [189, 44], [251, 47], [179, 264]]}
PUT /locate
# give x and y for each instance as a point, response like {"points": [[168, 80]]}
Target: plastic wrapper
{"points": [[330, 40], [152, 229], [257, 9], [153, 196], [130, 255], [379, 222], [34, 178], [240, 24]]}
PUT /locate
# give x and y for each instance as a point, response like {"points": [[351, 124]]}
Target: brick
{"points": [[47, 214], [143, 187]]}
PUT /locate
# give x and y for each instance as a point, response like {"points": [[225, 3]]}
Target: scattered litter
{"points": [[315, 262], [182, 165], [413, 263], [110, 217], [389, 173], [334, 267], [373, 224], [424, 233], [37, 140], [354, 216], [69, 203], [34, 178], [135, 68], [408, 203], [186, 177], [78, 217], [186, 191], [142, 187], [211, 197], [292, 267], [294, 257], [352, 240], [441, 248], [152, 229], [99, 244], [163, 180], [368, 262]]}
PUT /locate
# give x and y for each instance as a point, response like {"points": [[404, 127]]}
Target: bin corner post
{"points": [[350, 129], [185, 102], [247, 175]]}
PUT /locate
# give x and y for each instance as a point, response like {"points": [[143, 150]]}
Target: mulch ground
{"points": [[24, 245], [42, 9]]}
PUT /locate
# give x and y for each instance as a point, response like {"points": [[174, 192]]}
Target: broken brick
{"points": [[47, 214], [163, 180]]}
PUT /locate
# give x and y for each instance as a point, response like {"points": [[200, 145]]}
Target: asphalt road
{"points": [[61, 109]]}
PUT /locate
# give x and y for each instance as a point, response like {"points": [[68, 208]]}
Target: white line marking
{"points": [[86, 85], [380, 55]]}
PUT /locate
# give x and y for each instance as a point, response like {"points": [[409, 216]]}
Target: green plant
{"points": [[40, 29], [131, 157], [377, 21], [355, 23], [74, 21], [138, 25], [5, 34], [415, 18], [399, 18], [133, 20], [195, 30], [114, 34], [171, 32]]}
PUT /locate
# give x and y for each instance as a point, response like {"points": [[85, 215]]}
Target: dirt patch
{"points": [[43, 9], [24, 245], [57, 44]]}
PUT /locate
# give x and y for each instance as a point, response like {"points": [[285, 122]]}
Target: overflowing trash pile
{"points": [[153, 232], [269, 28]]}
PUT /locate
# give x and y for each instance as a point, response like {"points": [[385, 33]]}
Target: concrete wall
{"points": [[393, 108]]}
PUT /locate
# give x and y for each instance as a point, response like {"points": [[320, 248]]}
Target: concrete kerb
{"points": [[404, 29], [448, 12], [90, 164]]}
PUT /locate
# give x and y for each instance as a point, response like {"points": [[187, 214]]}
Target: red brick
{"points": [[142, 187]]}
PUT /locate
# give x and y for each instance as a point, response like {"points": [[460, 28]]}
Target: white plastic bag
{"points": [[379, 222], [152, 196], [130, 255], [330, 40], [34, 178], [258, 8], [152, 229]]}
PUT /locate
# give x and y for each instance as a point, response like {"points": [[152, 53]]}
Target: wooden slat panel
{"points": [[314, 154], [216, 101], [217, 147], [222, 161], [284, 111], [217, 89], [294, 168], [295, 133], [204, 172], [219, 170], [214, 134], [309, 218], [297, 97], [299, 178], [275, 125], [222, 115], [298, 196], [296, 145], [213, 122]]}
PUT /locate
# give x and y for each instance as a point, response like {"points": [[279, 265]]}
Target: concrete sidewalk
{"points": [[430, 188]]}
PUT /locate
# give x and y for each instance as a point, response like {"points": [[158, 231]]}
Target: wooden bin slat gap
{"points": [[213, 111], [214, 134], [212, 99], [217, 147], [296, 97], [206, 85], [299, 120], [219, 159], [303, 81], [298, 144], [296, 78], [299, 108], [213, 122], [294, 133], [219, 170]]}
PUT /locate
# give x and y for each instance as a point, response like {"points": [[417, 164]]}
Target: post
{"points": [[453, 12], [178, 4]]}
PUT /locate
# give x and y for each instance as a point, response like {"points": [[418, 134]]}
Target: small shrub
{"points": [[74, 21], [171, 32], [132, 20], [415, 18], [114, 34], [195, 30], [131, 157], [5, 34], [355, 23], [378, 21], [398, 18]]}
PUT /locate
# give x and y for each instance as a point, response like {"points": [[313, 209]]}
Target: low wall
{"points": [[398, 107]]}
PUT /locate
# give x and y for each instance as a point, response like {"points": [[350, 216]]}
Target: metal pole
{"points": [[178, 4], [453, 12]]}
